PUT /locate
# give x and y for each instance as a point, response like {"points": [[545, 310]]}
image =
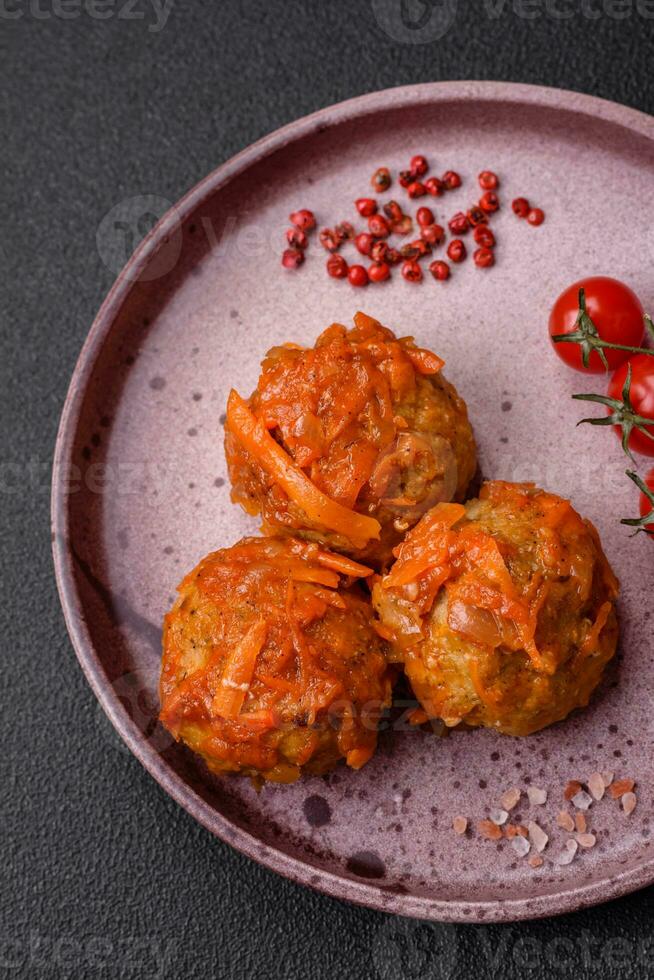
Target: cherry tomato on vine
{"points": [[646, 520], [641, 401], [609, 310], [646, 506]]}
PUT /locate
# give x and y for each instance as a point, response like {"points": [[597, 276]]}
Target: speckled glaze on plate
{"points": [[140, 490]]}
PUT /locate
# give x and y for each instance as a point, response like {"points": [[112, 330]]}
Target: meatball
{"points": [[502, 611], [271, 665], [349, 442]]}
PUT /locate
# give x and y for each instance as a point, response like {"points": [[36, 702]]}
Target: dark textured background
{"points": [[102, 874]]}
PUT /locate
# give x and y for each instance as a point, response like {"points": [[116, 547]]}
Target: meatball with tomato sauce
{"points": [[271, 665], [502, 611], [350, 442]]}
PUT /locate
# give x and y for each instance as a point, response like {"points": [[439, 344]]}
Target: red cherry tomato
{"points": [[645, 504], [614, 309], [641, 397]]}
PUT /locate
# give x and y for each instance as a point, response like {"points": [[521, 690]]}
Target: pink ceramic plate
{"points": [[140, 491]]}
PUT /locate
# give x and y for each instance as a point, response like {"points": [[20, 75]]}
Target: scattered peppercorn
{"points": [[418, 165], [456, 250], [434, 186], [329, 239], [296, 237], [459, 224], [432, 234], [381, 179], [344, 231], [393, 211], [521, 207], [393, 220], [484, 236], [411, 271], [484, 258], [404, 226], [451, 180], [366, 206], [422, 246], [409, 251], [337, 267], [378, 251], [378, 226], [364, 243], [292, 258], [440, 270], [379, 271], [489, 202], [303, 219], [416, 189], [357, 276], [425, 216], [488, 181], [476, 216]]}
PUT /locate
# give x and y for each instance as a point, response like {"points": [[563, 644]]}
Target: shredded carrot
{"points": [[279, 684], [363, 322], [424, 361], [383, 631], [317, 575], [318, 507], [237, 674], [299, 643], [259, 721], [330, 598], [426, 547], [339, 563], [591, 641]]}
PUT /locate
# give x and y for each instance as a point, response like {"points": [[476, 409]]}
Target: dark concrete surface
{"points": [[102, 875]]}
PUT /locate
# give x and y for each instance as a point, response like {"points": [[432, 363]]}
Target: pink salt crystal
{"points": [[629, 803], [597, 786]]}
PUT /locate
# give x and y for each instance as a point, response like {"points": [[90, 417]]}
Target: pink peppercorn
{"points": [[440, 270], [357, 276], [292, 258]]}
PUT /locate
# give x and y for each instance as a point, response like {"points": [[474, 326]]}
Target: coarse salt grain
{"points": [[622, 786], [536, 861], [516, 830], [537, 797], [586, 840], [629, 803], [567, 856], [499, 817], [582, 800], [596, 786], [511, 798], [521, 846], [565, 821], [580, 822], [460, 825], [608, 778], [572, 789], [538, 837], [489, 830]]}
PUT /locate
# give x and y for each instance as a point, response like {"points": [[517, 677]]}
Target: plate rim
{"points": [[330, 883]]}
